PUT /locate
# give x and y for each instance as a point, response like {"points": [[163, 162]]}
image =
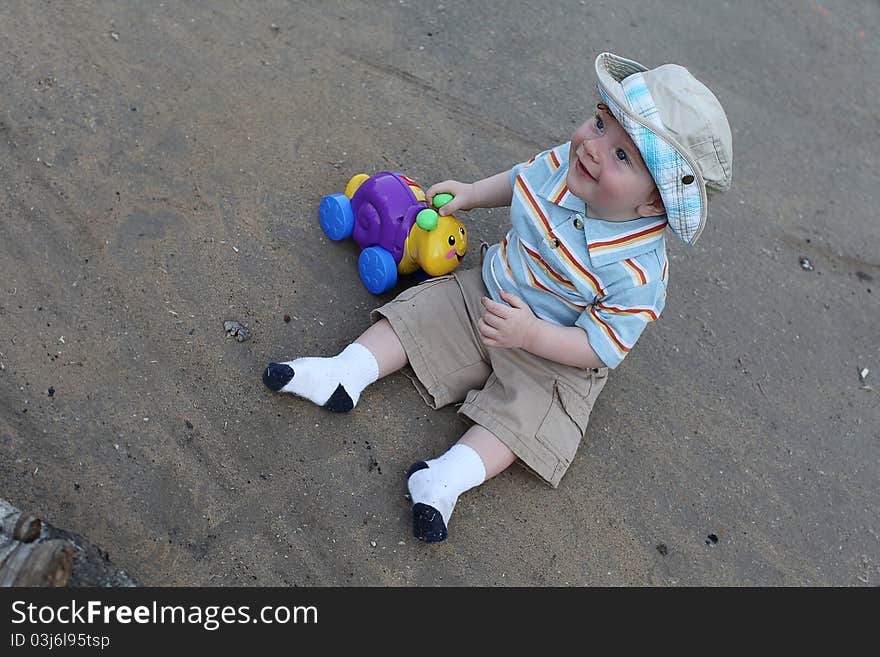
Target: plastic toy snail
{"points": [[388, 217]]}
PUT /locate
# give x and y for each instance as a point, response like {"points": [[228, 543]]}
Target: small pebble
{"points": [[287, 318], [806, 264], [237, 330]]}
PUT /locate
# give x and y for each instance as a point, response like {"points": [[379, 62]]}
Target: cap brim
{"points": [[666, 159]]}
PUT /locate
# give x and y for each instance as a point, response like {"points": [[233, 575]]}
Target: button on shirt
{"points": [[607, 277]]}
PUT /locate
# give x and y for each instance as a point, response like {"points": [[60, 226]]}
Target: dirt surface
{"points": [[161, 166]]}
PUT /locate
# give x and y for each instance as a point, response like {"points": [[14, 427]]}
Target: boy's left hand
{"points": [[512, 326]]}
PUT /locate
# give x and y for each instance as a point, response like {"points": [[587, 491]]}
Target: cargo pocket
{"points": [[564, 425]]}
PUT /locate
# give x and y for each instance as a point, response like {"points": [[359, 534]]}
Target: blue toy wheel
{"points": [[337, 217], [377, 269]]}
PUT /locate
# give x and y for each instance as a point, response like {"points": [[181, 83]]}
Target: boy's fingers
{"points": [[443, 188], [489, 341], [492, 320], [448, 208], [486, 330], [496, 308], [438, 188], [512, 299]]}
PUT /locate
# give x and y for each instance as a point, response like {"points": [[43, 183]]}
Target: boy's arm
{"points": [[568, 345], [515, 325], [492, 192]]}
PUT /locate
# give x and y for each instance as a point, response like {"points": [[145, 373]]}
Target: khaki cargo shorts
{"points": [[537, 407]]}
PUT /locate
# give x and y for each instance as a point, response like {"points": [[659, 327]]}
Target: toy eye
{"points": [[452, 240], [461, 230]]}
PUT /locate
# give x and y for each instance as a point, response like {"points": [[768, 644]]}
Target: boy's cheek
{"points": [[574, 187], [577, 138], [571, 151]]}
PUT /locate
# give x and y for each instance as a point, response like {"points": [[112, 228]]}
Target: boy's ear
{"points": [[654, 207]]}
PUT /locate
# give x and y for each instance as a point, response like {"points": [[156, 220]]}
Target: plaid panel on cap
{"points": [[667, 167]]}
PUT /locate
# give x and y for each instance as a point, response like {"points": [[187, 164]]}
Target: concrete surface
{"points": [[161, 166]]}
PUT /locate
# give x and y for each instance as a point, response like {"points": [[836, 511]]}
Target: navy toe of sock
{"points": [[277, 375], [340, 401], [428, 523], [415, 467]]}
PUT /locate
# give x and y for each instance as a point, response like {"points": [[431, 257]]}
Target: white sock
{"points": [[336, 382], [447, 477]]}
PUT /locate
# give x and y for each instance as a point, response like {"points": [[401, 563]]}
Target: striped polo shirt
{"points": [[607, 277]]}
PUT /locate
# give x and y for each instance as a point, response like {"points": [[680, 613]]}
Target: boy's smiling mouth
{"points": [[580, 167], [583, 170]]}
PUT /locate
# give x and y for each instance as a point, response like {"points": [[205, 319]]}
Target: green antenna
{"points": [[427, 219], [441, 199]]}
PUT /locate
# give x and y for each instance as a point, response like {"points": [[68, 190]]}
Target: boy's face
{"points": [[606, 171]]}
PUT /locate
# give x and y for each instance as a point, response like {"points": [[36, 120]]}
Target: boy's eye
{"points": [[599, 123], [621, 154]]}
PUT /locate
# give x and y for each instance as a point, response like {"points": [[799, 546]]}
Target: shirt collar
{"points": [[556, 191], [607, 241], [613, 241]]}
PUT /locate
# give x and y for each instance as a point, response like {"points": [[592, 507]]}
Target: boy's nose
{"points": [[591, 149]]}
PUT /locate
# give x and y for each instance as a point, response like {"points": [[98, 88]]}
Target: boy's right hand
{"points": [[464, 197]]}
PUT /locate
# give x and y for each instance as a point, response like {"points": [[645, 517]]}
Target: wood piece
{"points": [[49, 563], [27, 528], [35, 553], [22, 526], [7, 545]]}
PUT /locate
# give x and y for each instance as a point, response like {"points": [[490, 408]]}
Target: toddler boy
{"points": [[527, 339]]}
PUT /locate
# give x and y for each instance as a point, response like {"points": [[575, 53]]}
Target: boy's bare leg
{"points": [[435, 485], [336, 383], [385, 346], [496, 456]]}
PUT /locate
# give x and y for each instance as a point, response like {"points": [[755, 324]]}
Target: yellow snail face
{"points": [[442, 248]]}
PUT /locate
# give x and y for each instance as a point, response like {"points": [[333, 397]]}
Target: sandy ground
{"points": [[161, 166]]}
